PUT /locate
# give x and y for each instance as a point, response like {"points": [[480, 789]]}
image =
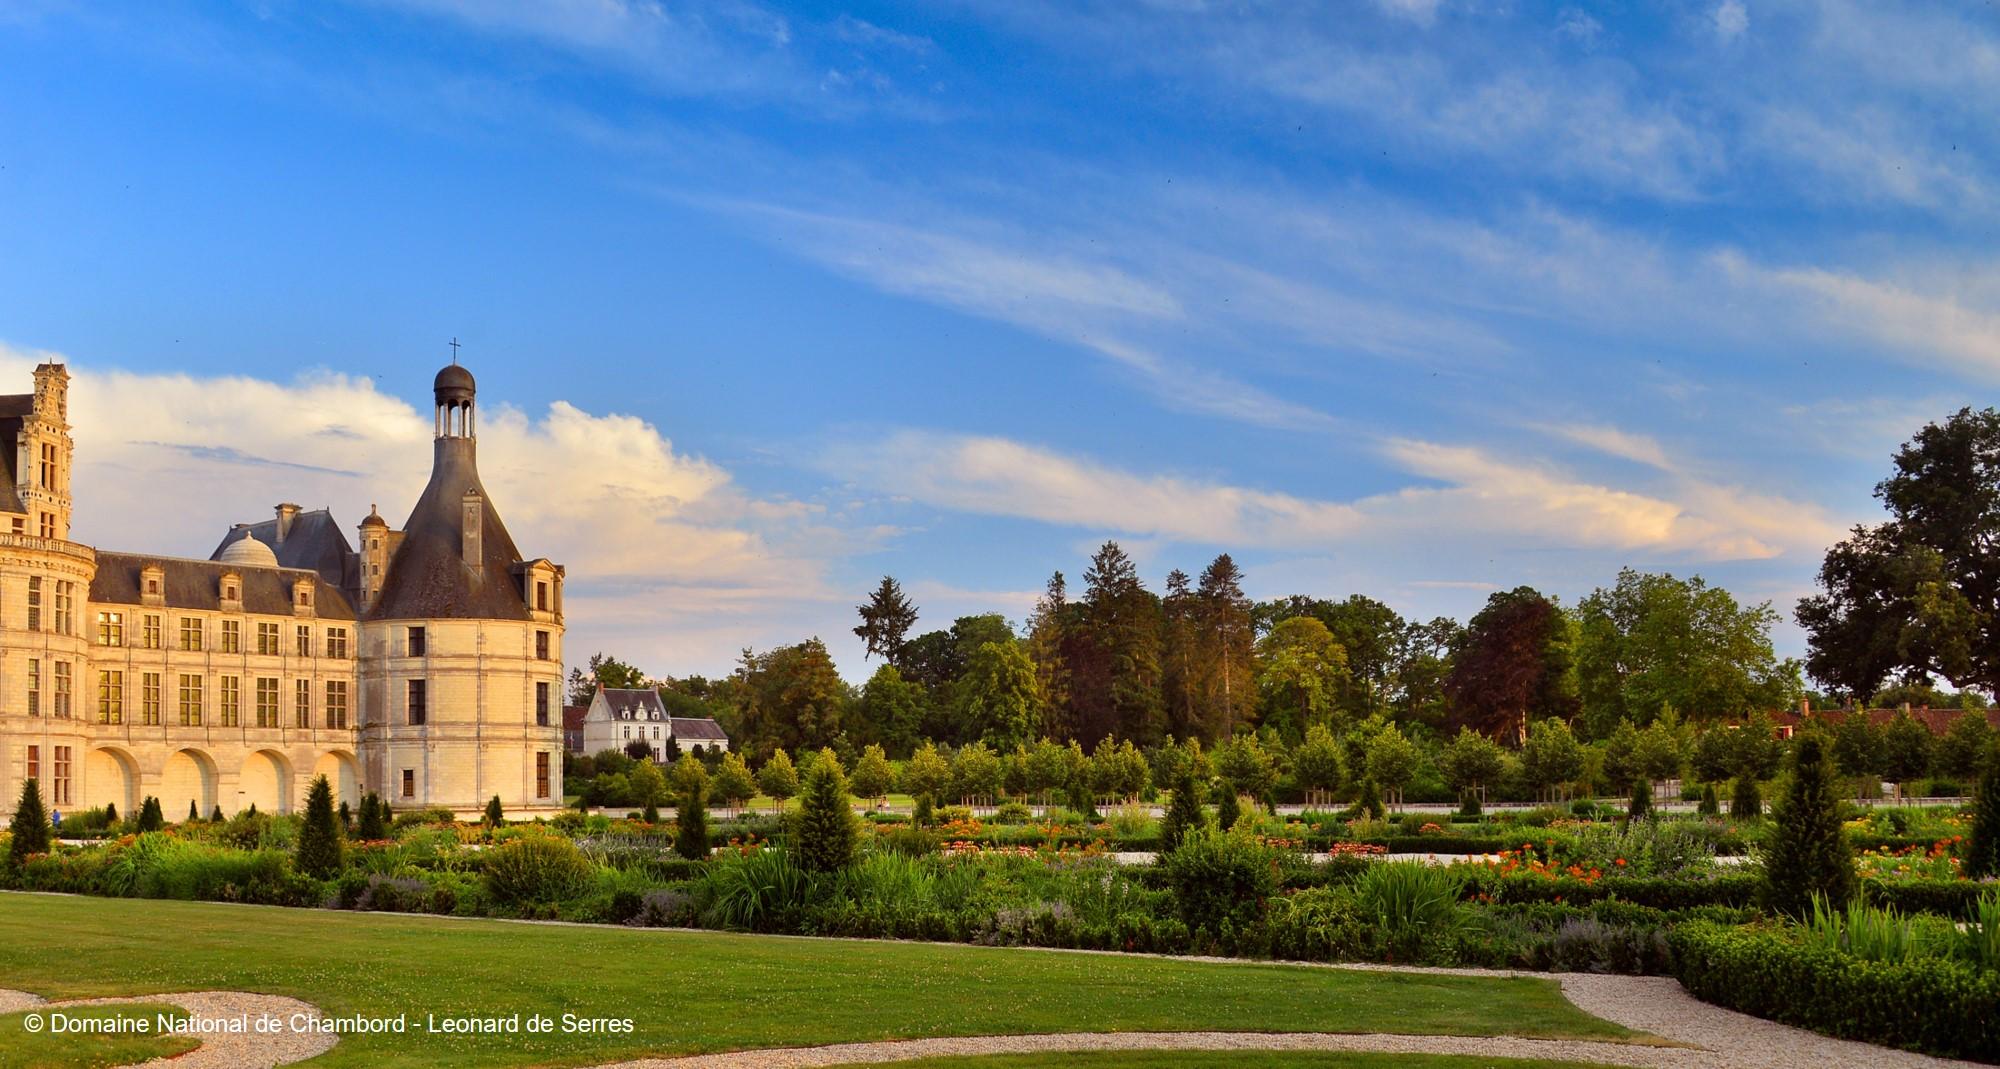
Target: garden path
{"points": [[219, 1050]]}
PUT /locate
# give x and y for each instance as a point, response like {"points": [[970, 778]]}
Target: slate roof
{"points": [[573, 717], [14, 408], [1937, 720], [17, 405], [686, 729], [644, 702], [314, 541], [429, 577], [197, 584]]}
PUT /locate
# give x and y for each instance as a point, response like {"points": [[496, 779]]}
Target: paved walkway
{"points": [[218, 1050]]}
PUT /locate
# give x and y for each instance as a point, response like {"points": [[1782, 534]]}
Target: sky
{"points": [[1418, 299]]}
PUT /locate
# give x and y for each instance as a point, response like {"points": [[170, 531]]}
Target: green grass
{"points": [[1225, 1059], [46, 1049], [702, 991]]}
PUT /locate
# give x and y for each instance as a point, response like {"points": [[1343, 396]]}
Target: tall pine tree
{"points": [[1118, 691], [886, 621], [1049, 630], [30, 825], [1228, 675]]}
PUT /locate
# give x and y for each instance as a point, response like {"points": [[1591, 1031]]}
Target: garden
{"points": [[1818, 912]]}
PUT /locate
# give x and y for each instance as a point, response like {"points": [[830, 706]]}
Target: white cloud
{"points": [[1731, 19], [1928, 327], [670, 563], [1613, 442]]}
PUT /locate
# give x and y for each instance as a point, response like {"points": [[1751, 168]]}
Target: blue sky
{"points": [[1412, 298]]}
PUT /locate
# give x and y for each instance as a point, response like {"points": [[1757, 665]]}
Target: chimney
{"points": [[472, 515], [287, 512], [1805, 708]]}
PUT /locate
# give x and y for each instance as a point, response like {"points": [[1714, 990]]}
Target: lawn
{"points": [[688, 992], [42, 1048], [1227, 1059]]}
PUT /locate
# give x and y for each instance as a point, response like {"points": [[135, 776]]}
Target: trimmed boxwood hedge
{"points": [[1729, 889], [1958, 899], [1932, 1005]]}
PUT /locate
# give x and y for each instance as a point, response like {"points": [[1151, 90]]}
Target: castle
{"points": [[425, 666]]}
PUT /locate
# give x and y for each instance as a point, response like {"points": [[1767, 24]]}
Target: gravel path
{"points": [[218, 1050]]}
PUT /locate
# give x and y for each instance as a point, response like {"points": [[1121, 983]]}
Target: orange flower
{"points": [[1620, 862]]}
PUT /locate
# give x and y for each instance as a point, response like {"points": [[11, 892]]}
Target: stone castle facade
{"points": [[424, 664]]}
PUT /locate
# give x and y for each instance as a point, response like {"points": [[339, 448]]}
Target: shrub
{"points": [[373, 824], [150, 817], [1318, 924], [1746, 803], [30, 826], [1641, 806], [537, 870], [1710, 805], [1809, 856], [762, 890], [824, 834], [1957, 899], [1770, 974], [691, 823], [319, 852], [1013, 813], [922, 815], [1982, 856], [494, 815], [1228, 811], [1412, 906], [1220, 880], [1184, 812]]}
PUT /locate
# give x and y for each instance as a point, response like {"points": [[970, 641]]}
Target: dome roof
{"points": [[453, 383], [248, 552], [374, 519]]}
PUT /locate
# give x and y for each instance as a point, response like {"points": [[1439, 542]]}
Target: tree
{"points": [[373, 825], [789, 698], [639, 750], [1963, 749], [1046, 770], [1662, 749], [1809, 855], [1714, 754], [319, 849], [1982, 851], [872, 774], [1245, 767], [1120, 770], [1641, 806], [688, 773], [892, 710], [1470, 762], [975, 773], [30, 826], [778, 779], [1224, 633], [607, 671], [494, 815], [927, 772], [824, 834], [1918, 595], [733, 782], [1316, 765], [1184, 813], [1392, 762], [1301, 672], [1857, 747], [1652, 641], [646, 785], [1512, 665], [1621, 767], [691, 817], [1906, 750], [999, 699], [150, 817], [1051, 630], [1181, 656], [885, 621], [1552, 758], [1115, 667]]}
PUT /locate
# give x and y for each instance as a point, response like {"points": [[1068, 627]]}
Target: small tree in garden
{"points": [[1641, 806], [1184, 812], [1047, 769], [639, 750], [733, 783], [110, 813], [1552, 758], [346, 817], [872, 775], [778, 779], [1906, 750], [1470, 762], [1229, 810], [32, 834], [374, 822], [1316, 765], [1808, 855], [975, 774], [1368, 802], [150, 817], [1962, 751], [1857, 748], [923, 814], [1982, 858], [1392, 762], [194, 811], [319, 839], [691, 821], [824, 835], [1746, 803], [495, 816], [927, 772], [1710, 805], [215, 814]]}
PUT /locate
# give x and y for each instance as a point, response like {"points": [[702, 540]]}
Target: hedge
{"points": [[1958, 899], [1729, 889], [1932, 1005]]}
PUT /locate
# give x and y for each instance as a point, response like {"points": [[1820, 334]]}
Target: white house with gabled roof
{"points": [[619, 716]]}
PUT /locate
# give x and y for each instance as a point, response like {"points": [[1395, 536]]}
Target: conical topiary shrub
{"points": [[824, 836], [1809, 855], [1746, 803], [30, 825], [319, 852], [1184, 812], [150, 817], [1641, 805]]}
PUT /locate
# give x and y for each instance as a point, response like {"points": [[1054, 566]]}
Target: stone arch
{"points": [[111, 777], [343, 772], [266, 782], [189, 776]]}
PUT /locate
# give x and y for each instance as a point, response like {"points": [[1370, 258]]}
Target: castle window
{"points": [[48, 525], [229, 592], [626, 732], [34, 686], [191, 633], [541, 645], [305, 597], [34, 603], [541, 596], [267, 641], [48, 471], [541, 773], [152, 586], [110, 697], [62, 700], [150, 632], [416, 642], [229, 702], [34, 762], [20, 526], [267, 702], [336, 704], [232, 636], [302, 702], [305, 640], [111, 629], [417, 710], [149, 699], [65, 600], [60, 794], [409, 783], [191, 689], [541, 704], [336, 642]]}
